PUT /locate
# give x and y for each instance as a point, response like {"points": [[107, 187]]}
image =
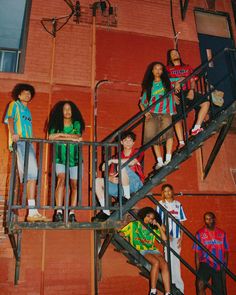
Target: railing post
{"points": [[183, 104], [223, 280], [67, 183], [167, 247], [120, 191]]}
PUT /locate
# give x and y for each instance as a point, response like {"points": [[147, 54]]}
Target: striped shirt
{"points": [[215, 241], [178, 72], [167, 106], [22, 120], [176, 209]]}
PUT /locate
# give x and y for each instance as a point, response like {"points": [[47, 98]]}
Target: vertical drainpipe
{"points": [[45, 191]]}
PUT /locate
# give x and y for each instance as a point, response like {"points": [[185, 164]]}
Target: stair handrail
{"points": [[197, 71], [192, 237]]}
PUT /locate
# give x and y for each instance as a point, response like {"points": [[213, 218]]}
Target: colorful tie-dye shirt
{"points": [[139, 236]]}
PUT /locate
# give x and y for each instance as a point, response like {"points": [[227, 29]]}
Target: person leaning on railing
{"points": [[19, 121], [178, 71], [145, 242], [66, 123], [155, 85]]}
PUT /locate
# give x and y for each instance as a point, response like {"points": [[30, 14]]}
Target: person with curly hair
{"points": [[155, 85], [19, 120], [144, 241], [66, 123]]}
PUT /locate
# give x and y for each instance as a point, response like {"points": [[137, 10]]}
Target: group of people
{"points": [[140, 234], [66, 123]]}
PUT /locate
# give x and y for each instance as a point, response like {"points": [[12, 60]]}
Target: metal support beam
{"points": [[183, 8], [16, 247], [105, 245], [220, 139]]}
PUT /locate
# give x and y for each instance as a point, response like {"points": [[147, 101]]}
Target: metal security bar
{"points": [[89, 155]]}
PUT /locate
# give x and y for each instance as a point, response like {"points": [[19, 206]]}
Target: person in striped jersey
{"points": [[176, 235], [155, 85], [66, 123]]}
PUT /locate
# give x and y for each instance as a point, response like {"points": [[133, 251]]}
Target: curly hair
{"points": [[169, 61], [56, 118], [19, 88], [149, 78], [142, 213]]}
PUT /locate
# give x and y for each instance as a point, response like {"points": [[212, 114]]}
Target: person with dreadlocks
{"points": [[140, 236], [155, 85], [19, 120], [178, 71], [66, 123]]}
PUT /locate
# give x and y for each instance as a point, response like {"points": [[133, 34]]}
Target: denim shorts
{"points": [[32, 163], [145, 252], [73, 171], [134, 182]]}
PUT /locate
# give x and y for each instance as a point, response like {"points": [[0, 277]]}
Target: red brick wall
{"points": [[143, 34]]}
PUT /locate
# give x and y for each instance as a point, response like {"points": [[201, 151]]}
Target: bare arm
{"points": [[63, 136], [148, 114], [15, 137], [163, 234], [197, 262]]}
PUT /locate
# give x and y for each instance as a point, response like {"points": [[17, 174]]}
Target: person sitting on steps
{"points": [[132, 176], [140, 237]]}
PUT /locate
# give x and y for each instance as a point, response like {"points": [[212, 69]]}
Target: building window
{"points": [[14, 17]]}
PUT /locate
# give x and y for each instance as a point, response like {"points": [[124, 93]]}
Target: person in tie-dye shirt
{"points": [[19, 120], [145, 242], [155, 85]]}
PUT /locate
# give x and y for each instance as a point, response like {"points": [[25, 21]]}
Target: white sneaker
{"points": [[166, 162], [159, 165]]}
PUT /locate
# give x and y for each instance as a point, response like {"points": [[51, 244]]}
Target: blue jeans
{"points": [[134, 182], [32, 162]]}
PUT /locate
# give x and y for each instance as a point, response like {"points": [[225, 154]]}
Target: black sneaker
{"points": [[72, 218], [101, 216], [58, 217]]}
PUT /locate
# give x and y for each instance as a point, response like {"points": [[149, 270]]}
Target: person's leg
{"points": [[73, 185], [202, 112], [155, 264], [60, 188], [125, 182], [175, 266], [163, 266], [204, 272], [217, 282], [100, 193]]}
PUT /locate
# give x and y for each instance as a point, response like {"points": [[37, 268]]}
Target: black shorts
{"points": [[206, 273], [189, 102]]}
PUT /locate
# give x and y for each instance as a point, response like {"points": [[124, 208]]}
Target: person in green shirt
{"points": [[66, 123], [144, 241]]}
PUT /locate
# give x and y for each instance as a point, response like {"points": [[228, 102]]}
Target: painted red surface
{"points": [[59, 262]]}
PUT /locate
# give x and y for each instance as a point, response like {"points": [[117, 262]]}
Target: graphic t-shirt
{"points": [[22, 120], [215, 241], [176, 209], [139, 236], [74, 128], [177, 72], [167, 106]]}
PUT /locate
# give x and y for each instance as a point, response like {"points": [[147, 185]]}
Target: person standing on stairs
{"points": [[176, 234], [144, 241], [132, 176], [178, 71], [155, 85], [66, 123], [19, 120], [215, 240]]}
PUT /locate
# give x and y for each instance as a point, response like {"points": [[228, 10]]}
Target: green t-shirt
{"points": [[139, 237], [61, 148]]}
